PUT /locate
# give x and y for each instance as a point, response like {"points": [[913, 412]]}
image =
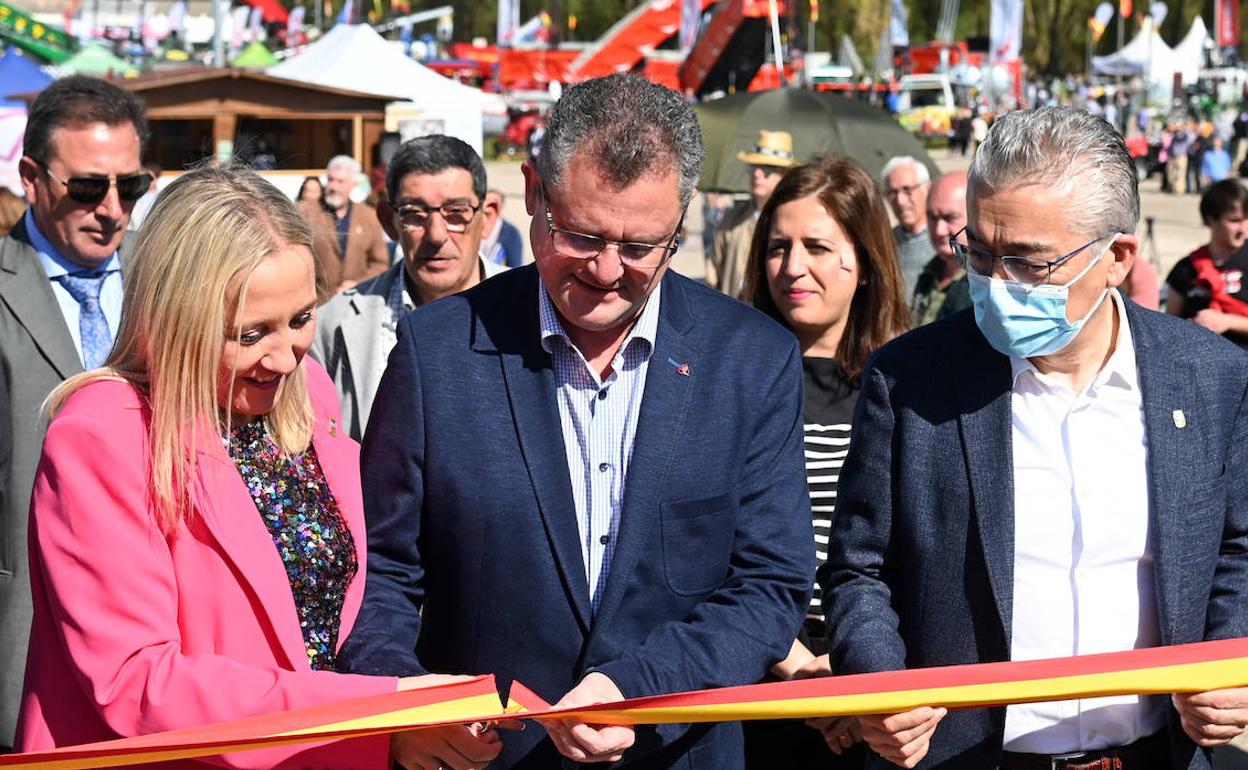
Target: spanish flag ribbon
{"points": [[1183, 668]]}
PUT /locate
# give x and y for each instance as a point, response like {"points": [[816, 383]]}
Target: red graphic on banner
{"points": [[1228, 23]]}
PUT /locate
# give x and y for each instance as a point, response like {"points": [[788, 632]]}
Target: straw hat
{"points": [[773, 148]]}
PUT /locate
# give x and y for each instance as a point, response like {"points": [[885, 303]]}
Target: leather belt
{"points": [[1150, 753]]}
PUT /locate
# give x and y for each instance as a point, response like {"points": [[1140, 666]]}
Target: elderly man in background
{"points": [[906, 183], [767, 159], [1089, 496], [587, 474], [435, 189], [350, 245], [943, 288], [60, 302], [502, 243]]}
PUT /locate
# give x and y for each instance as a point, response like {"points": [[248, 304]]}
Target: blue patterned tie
{"points": [[97, 341]]}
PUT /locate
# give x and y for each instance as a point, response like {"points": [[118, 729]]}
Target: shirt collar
{"points": [[1119, 370], [645, 329], [54, 263], [400, 300]]}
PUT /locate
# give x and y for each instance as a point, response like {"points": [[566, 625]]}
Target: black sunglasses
{"points": [[92, 189]]}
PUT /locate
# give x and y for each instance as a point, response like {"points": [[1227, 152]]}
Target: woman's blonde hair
{"points": [[201, 241]]}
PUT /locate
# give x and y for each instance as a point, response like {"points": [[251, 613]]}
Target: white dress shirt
{"points": [[1083, 563]]}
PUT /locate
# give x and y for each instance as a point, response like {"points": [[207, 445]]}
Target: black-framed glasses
{"points": [[635, 254], [457, 216], [1032, 270], [92, 189]]}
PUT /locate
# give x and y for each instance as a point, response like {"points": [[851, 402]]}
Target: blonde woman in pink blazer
{"points": [[197, 538]]}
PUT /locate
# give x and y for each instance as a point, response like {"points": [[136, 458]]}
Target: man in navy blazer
{"points": [[587, 475], [1059, 473]]}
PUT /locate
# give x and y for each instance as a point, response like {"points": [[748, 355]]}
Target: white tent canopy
{"points": [[1145, 53], [356, 58], [1158, 61], [1189, 54]]}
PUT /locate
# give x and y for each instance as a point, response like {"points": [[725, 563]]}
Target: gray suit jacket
{"points": [[348, 345], [36, 354]]}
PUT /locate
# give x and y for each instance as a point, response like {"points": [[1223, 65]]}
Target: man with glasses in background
{"points": [[906, 182], [435, 191], [60, 300], [1089, 493], [587, 474]]}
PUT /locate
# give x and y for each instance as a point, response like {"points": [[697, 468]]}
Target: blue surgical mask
{"points": [[1026, 320]]}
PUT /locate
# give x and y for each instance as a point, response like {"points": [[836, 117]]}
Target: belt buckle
{"points": [[1059, 761]]}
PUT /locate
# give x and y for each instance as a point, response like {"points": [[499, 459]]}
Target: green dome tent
{"points": [[95, 59], [256, 56]]}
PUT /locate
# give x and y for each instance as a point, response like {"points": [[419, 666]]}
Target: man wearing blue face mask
{"points": [[1089, 495]]}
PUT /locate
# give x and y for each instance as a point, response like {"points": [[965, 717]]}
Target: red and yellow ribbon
{"points": [[1183, 668]]}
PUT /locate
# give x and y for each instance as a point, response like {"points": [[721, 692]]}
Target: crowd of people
{"points": [[262, 464]]}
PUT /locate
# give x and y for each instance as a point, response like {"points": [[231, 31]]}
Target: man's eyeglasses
{"points": [[457, 216], [92, 189], [634, 254], [897, 192], [1031, 270]]}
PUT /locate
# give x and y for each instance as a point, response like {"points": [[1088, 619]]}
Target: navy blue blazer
{"points": [[920, 567], [474, 563]]}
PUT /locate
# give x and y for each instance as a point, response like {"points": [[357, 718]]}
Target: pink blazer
{"points": [[137, 632]]}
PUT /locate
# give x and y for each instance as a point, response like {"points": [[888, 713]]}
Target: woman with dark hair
{"points": [[823, 263], [311, 189]]}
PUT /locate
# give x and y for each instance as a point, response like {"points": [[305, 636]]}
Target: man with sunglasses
{"points": [[1055, 472], [586, 475], [436, 186], [60, 299]]}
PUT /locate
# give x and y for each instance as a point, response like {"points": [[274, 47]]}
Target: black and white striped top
{"points": [[828, 411]]}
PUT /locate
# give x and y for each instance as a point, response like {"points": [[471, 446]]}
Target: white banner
{"points": [[690, 21], [253, 24], [508, 20], [1005, 31], [294, 23], [900, 35], [177, 17], [239, 16]]}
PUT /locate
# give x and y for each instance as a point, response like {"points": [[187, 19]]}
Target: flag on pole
{"points": [[1158, 10], [1005, 31], [253, 24], [1228, 23], [294, 22], [1100, 20], [900, 36], [690, 22], [1125, 8], [814, 11], [240, 16]]}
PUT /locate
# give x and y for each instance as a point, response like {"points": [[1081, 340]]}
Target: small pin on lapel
{"points": [[333, 427], [683, 370], [1180, 419]]}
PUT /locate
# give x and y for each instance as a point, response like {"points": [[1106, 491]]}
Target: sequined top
{"points": [[310, 534]]}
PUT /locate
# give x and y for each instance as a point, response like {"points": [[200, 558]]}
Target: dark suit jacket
{"points": [[920, 567], [474, 559]]}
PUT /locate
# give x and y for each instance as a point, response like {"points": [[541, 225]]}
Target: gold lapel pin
{"points": [[333, 427], [1180, 419]]}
